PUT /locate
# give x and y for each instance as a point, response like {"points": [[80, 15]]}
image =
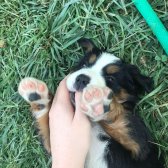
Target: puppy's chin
{"points": [[72, 98]]}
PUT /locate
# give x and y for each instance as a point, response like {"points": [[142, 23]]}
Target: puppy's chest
{"points": [[95, 157]]}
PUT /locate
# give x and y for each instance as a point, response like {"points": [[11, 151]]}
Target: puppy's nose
{"points": [[81, 82]]}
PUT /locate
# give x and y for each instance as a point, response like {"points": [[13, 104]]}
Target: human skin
{"points": [[69, 130]]}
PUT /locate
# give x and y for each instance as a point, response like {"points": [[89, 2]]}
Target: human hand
{"points": [[69, 130]]}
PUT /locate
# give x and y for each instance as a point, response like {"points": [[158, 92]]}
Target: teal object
{"points": [[153, 21]]}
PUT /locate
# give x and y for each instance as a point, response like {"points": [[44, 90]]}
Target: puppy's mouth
{"points": [[72, 96]]}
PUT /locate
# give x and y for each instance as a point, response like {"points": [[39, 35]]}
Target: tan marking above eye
{"points": [[112, 69], [92, 59]]}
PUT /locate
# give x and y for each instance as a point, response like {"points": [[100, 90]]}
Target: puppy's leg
{"points": [[35, 92]]}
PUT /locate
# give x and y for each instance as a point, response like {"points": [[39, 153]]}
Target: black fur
{"points": [[117, 156]]}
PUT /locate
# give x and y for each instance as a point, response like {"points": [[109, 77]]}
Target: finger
{"points": [[62, 92], [78, 112], [61, 103]]}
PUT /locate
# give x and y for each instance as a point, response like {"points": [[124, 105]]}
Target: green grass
{"points": [[40, 41]]}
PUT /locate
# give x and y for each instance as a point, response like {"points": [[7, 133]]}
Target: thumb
{"points": [[78, 112]]}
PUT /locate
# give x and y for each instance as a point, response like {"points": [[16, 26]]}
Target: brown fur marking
{"points": [[86, 45], [118, 127], [43, 122], [92, 58], [44, 132], [112, 69], [122, 96], [36, 107]]}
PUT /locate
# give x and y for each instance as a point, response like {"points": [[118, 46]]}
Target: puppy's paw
{"points": [[33, 90], [96, 102]]}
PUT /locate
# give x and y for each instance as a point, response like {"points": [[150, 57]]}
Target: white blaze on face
{"points": [[94, 72]]}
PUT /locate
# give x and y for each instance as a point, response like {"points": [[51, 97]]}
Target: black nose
{"points": [[81, 82]]}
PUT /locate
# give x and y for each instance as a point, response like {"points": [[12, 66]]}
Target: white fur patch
{"points": [[95, 157], [94, 72], [40, 113], [105, 59]]}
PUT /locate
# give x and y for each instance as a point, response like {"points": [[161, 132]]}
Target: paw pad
{"points": [[34, 96], [32, 89], [95, 102]]}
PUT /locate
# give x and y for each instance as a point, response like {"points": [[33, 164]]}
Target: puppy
{"points": [[110, 89]]}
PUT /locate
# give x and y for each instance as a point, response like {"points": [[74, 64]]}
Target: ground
{"points": [[38, 39]]}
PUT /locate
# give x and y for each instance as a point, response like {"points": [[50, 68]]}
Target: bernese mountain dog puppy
{"points": [[111, 89]]}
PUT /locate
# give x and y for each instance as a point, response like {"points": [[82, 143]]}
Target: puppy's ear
{"points": [[87, 45], [141, 82]]}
